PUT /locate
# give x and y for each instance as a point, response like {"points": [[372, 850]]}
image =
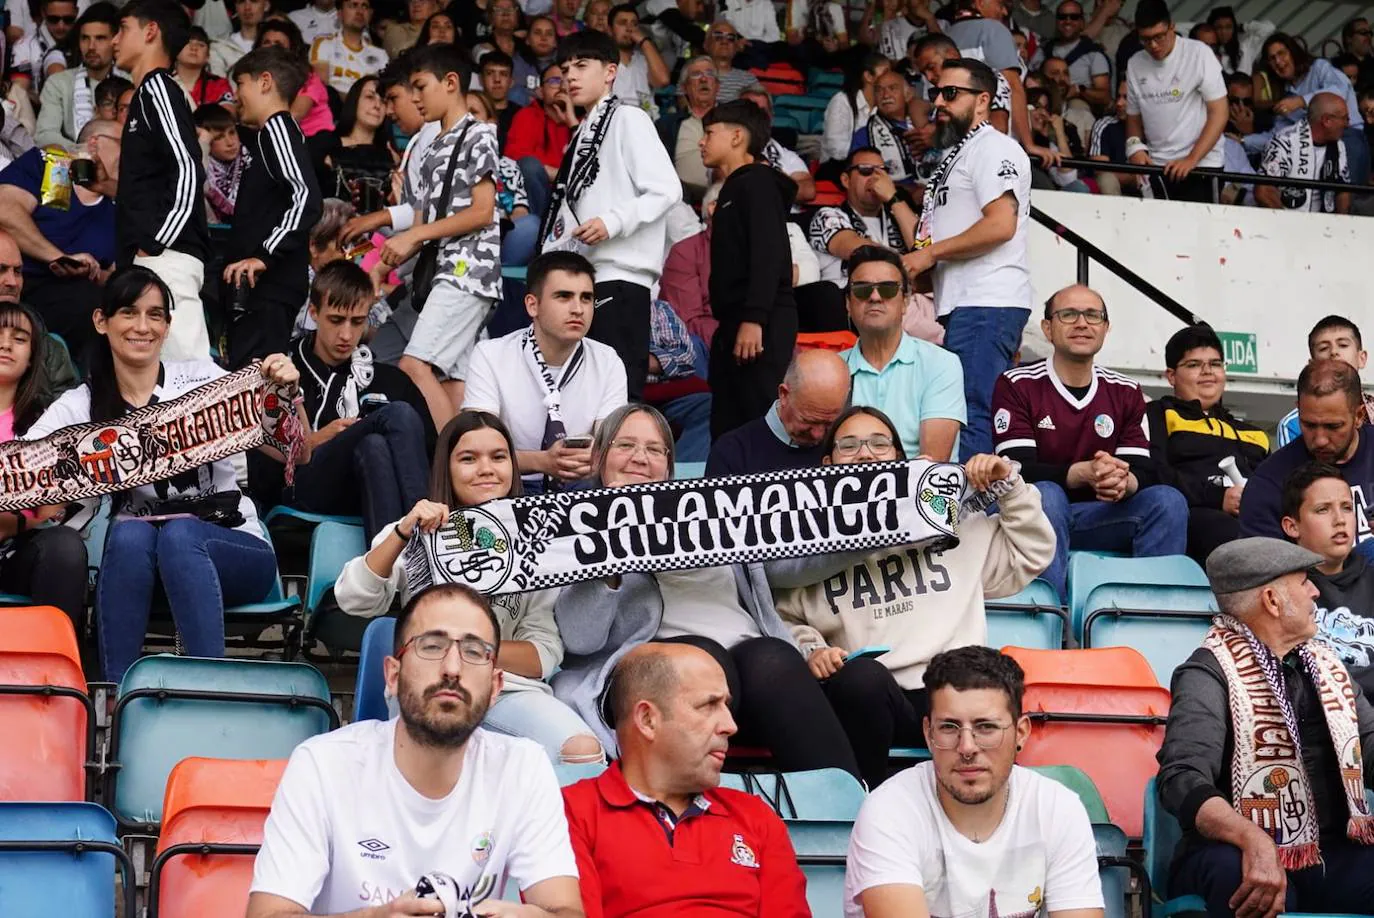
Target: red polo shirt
{"points": [[533, 133], [729, 854]]}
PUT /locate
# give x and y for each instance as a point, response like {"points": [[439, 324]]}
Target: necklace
{"points": [[977, 838]]}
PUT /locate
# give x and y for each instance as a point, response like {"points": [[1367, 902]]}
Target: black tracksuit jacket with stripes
{"points": [[161, 202]]}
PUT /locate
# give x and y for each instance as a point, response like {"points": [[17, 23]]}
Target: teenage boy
{"points": [[368, 448], [751, 267], [160, 215], [496, 70], [462, 161], [269, 271], [1332, 336], [611, 200], [342, 58], [1319, 514]]}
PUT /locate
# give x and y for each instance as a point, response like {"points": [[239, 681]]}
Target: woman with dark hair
{"points": [[363, 160], [474, 463], [201, 538], [725, 610], [1237, 49], [851, 107], [438, 29], [192, 68], [45, 563], [1294, 77], [931, 599], [311, 107], [541, 44]]}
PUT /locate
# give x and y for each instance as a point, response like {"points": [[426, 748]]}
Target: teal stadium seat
{"points": [[1114, 867], [60, 859], [822, 794], [281, 517], [169, 708], [683, 470], [332, 545], [821, 848], [820, 82], [1030, 618], [571, 774], [369, 699], [1161, 837]]}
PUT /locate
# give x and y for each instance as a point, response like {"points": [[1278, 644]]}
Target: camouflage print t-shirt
{"points": [[472, 262]]}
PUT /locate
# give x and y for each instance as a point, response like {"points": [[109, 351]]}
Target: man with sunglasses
{"points": [[68, 96], [1357, 38], [38, 54], [1089, 70], [970, 832], [723, 42], [1080, 433], [365, 811], [875, 212]]}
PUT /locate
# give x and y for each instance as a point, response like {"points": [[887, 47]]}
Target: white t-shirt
{"points": [[1042, 858], [347, 66], [225, 53], [314, 22], [632, 84], [178, 378], [831, 16], [989, 166], [1171, 97], [347, 831], [500, 380], [756, 20]]}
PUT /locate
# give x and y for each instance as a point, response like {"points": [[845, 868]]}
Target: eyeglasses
{"points": [[553, 81], [630, 447], [705, 76], [1192, 366], [876, 443], [724, 36], [950, 93], [1241, 100], [1363, 33], [435, 645], [1071, 316], [867, 169], [1070, 17], [1156, 39], [886, 289], [986, 734], [65, 20]]}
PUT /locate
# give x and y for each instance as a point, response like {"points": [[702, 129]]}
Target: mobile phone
{"points": [[577, 442], [372, 402], [875, 651]]}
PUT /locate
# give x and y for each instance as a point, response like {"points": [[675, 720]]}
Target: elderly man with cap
{"points": [[1268, 750]]}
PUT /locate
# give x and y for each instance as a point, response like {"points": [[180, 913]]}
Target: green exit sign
{"points": [[1241, 351]]}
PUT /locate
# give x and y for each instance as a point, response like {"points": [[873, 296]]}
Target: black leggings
{"points": [[877, 714], [777, 703]]}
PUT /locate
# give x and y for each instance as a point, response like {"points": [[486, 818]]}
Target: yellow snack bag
{"points": [[56, 190]]}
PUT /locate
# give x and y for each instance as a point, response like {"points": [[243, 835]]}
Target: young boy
{"points": [[467, 276], [370, 425], [1319, 514], [269, 271], [224, 161], [1332, 336], [611, 199], [159, 217], [751, 267]]}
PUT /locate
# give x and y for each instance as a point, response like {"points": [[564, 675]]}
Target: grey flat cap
{"points": [[1248, 563]]}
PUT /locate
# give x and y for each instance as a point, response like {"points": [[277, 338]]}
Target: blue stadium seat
{"points": [[1113, 869], [571, 774], [14, 599], [1030, 618], [332, 545], [821, 847], [282, 516], [822, 794], [514, 272], [169, 708], [1162, 835], [1076, 780], [824, 81], [689, 469], [60, 859], [369, 700]]}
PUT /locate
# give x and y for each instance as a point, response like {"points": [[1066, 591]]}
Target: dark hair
{"points": [[1150, 13], [1302, 61], [865, 254], [966, 669], [441, 60], [621, 8], [122, 290], [1334, 321], [213, 117], [1321, 378], [1345, 59], [466, 421], [496, 58], [1189, 339], [744, 114], [287, 69], [981, 77], [828, 444], [32, 394], [1230, 48], [1049, 303], [1299, 480], [198, 34], [435, 593], [1349, 28], [283, 27], [341, 284], [424, 39], [539, 269], [348, 113], [933, 40], [1196, 30], [854, 76], [108, 90], [1239, 77], [395, 73], [588, 45], [849, 160], [102, 12], [173, 25]]}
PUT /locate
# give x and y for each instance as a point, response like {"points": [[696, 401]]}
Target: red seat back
{"points": [[829, 341], [43, 756]]}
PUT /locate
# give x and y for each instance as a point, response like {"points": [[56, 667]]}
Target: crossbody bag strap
{"points": [[448, 175]]}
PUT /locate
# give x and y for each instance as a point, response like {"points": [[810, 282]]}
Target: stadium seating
{"points": [[821, 847], [1030, 618], [830, 341], [59, 859], [683, 470], [213, 814], [45, 716], [781, 79], [1162, 835], [571, 774], [823, 794], [332, 545], [170, 708], [282, 516], [369, 701]]}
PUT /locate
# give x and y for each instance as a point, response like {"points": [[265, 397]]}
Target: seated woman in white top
{"points": [[474, 462], [203, 566]]}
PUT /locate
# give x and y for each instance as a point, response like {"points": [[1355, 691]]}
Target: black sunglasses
{"points": [[1072, 17], [1366, 33], [886, 289], [867, 169], [1238, 100], [950, 93], [65, 20]]}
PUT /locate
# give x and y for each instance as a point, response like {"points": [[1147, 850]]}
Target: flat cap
{"points": [[1249, 563]]}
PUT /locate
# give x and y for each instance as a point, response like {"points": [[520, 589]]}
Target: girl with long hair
{"points": [[363, 160]]}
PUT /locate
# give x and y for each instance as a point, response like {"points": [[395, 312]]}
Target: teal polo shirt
{"points": [[921, 381]]}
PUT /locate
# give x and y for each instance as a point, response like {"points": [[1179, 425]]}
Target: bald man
{"points": [[813, 392], [654, 833], [1311, 149]]}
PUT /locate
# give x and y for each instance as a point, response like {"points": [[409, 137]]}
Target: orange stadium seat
{"points": [[45, 714], [828, 194], [781, 79], [829, 341], [219, 802], [1121, 666]]}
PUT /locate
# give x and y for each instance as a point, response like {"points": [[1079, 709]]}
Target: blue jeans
{"points": [[537, 183], [203, 568], [1150, 523], [693, 414], [519, 245], [537, 716], [985, 339]]}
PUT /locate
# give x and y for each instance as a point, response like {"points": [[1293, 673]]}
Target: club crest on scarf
{"points": [[474, 548]]}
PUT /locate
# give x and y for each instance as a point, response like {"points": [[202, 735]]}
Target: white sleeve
{"points": [[73, 407], [616, 392], [541, 849], [652, 175], [1213, 80], [1132, 94], [839, 128], [360, 592], [481, 391], [996, 171], [1071, 879], [537, 626], [294, 859], [886, 845]]}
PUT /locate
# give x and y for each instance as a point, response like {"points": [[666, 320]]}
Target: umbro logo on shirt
{"points": [[1045, 423], [373, 848]]}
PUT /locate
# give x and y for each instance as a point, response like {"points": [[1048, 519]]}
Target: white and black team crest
{"points": [[1007, 169]]}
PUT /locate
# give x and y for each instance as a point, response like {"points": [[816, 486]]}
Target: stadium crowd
{"points": [[340, 201]]}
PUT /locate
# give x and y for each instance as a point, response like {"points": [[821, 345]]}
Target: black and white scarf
{"points": [[1296, 157], [360, 375], [554, 429], [891, 230], [935, 188], [885, 136], [580, 167]]}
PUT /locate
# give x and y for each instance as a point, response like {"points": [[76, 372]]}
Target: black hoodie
{"points": [[751, 259], [1187, 442], [1345, 616]]}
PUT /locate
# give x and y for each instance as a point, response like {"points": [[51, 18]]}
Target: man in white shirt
{"points": [[548, 382], [1176, 107], [364, 812], [641, 69], [319, 17], [33, 54], [757, 20], [343, 58], [894, 35], [1313, 150], [875, 212], [975, 240], [969, 832]]}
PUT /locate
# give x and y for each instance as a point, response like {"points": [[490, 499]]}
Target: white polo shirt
{"points": [[1171, 97]]}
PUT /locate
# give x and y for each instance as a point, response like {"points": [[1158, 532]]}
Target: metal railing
{"points": [[1234, 178]]}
